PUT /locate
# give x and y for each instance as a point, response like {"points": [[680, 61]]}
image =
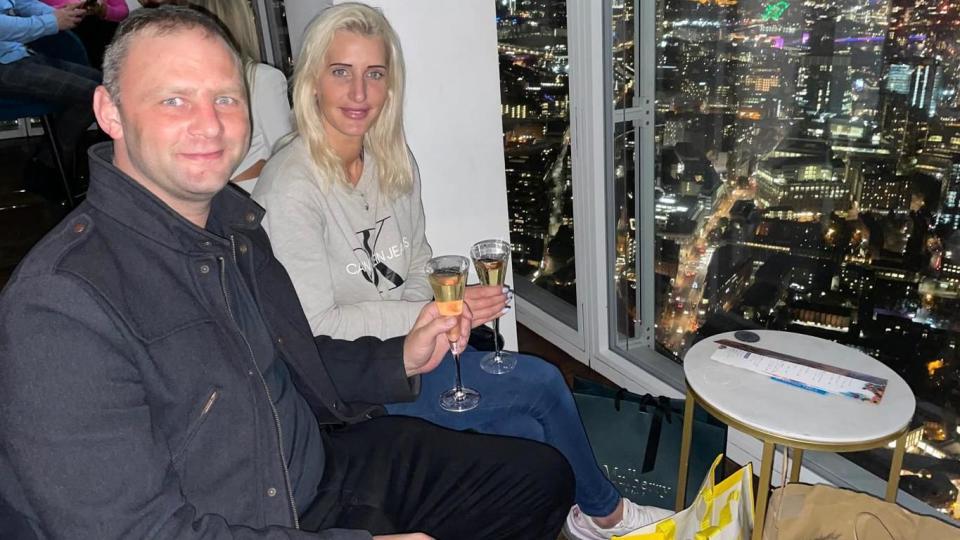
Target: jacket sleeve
{"points": [[417, 288], [34, 20], [297, 230], [368, 370], [75, 425]]}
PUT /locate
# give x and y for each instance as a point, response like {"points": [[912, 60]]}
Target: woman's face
{"points": [[352, 86]]}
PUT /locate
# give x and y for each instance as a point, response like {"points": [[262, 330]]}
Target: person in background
{"points": [[269, 105], [97, 28], [108, 10], [158, 378], [29, 75], [158, 3], [345, 218]]}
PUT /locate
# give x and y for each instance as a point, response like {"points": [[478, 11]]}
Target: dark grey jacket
{"points": [[130, 406]]}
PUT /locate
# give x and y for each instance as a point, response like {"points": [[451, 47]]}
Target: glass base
{"points": [[464, 400], [491, 363]]}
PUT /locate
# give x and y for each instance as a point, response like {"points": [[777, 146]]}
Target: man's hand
{"points": [[411, 536], [428, 341], [487, 302], [69, 16]]}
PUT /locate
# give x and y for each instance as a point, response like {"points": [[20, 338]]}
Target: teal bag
{"points": [[636, 441]]}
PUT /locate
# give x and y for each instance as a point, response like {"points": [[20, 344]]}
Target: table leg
{"points": [[763, 491], [796, 462], [893, 481], [685, 441]]}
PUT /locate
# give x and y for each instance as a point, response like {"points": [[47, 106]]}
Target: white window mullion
{"points": [[584, 38]]}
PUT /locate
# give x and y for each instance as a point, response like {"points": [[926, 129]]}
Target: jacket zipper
{"points": [[263, 382], [194, 426], [209, 404]]}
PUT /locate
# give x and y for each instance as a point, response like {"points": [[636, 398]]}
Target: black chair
{"points": [[66, 46]]}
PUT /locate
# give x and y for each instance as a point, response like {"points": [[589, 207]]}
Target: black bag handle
{"points": [[653, 443], [660, 406], [618, 397]]}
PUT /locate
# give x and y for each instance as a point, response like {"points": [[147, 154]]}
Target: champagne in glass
{"points": [[448, 277], [490, 270], [448, 286], [490, 260]]}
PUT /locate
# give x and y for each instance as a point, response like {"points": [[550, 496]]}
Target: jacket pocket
{"points": [[203, 412]]}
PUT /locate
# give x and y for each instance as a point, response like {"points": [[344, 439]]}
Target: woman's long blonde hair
{"points": [[238, 19], [385, 140]]}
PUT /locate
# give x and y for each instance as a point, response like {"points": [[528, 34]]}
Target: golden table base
{"points": [[766, 463]]}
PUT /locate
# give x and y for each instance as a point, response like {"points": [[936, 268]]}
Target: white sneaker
{"points": [[580, 526]]}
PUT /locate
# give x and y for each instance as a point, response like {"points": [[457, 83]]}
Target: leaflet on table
{"points": [[800, 372]]}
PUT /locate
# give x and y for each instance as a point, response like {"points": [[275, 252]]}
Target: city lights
{"points": [[807, 179]]}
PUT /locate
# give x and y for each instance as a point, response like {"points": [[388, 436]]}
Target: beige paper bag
{"points": [[805, 512]]}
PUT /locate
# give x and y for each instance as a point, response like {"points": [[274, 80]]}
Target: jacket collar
{"points": [[124, 199]]}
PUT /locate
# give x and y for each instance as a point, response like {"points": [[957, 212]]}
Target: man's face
{"points": [[182, 125]]}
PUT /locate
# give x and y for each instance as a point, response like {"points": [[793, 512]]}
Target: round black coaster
{"points": [[747, 336]]}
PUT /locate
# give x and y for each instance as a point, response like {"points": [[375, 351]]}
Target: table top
{"points": [[779, 410]]}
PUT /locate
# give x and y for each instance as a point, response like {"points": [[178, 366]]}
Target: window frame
{"points": [[594, 342]]}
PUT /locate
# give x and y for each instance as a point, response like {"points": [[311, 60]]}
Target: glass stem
{"points": [[496, 340], [456, 358]]}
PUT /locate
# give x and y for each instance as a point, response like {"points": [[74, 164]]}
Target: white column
{"points": [[452, 120]]}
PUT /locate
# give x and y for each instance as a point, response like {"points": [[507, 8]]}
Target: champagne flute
{"points": [[490, 260], [448, 277]]}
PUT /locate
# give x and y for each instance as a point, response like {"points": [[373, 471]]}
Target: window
{"points": [[271, 19], [535, 106], [796, 179]]}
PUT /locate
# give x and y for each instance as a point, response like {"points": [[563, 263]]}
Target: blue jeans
{"points": [[532, 402]]}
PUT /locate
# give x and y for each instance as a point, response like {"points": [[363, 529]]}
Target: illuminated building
{"points": [[803, 184]]}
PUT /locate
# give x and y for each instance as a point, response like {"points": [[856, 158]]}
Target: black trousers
{"points": [[398, 474], [96, 34]]}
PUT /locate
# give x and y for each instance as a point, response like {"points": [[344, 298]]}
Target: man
{"points": [[25, 74], [158, 378]]}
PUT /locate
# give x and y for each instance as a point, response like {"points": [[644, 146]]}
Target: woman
{"points": [[345, 218], [108, 10], [269, 108]]}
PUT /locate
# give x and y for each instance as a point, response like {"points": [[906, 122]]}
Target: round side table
{"points": [[777, 413]]}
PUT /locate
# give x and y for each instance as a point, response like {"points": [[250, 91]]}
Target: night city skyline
{"points": [[807, 179]]}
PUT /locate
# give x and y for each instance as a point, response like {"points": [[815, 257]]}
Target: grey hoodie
{"points": [[356, 256]]}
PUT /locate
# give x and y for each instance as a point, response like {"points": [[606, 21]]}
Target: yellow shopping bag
{"points": [[720, 512]]}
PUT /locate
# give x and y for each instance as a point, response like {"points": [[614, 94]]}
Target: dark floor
{"points": [[29, 210], [531, 343]]}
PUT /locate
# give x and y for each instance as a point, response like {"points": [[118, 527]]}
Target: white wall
{"points": [[453, 125], [299, 15]]}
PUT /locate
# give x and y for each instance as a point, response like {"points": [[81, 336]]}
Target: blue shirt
{"points": [[22, 21]]}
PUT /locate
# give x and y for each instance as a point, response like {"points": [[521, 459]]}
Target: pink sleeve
{"points": [[117, 10], [57, 3]]}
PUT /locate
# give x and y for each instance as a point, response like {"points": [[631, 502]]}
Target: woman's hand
{"points": [[69, 16], [487, 302]]}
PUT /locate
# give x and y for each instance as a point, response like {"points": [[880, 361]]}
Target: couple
{"points": [[158, 377]]}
